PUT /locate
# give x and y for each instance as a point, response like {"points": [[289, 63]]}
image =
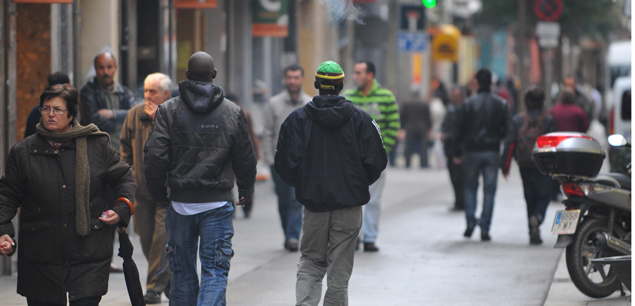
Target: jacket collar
{"points": [[116, 89], [41, 144], [144, 116], [301, 96], [372, 90]]}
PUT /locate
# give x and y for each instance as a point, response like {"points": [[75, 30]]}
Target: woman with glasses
{"points": [[58, 178]]}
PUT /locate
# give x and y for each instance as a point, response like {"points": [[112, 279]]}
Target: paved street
{"points": [[424, 259]]}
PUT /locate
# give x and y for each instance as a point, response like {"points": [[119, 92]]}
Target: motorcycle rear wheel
{"points": [[593, 280]]}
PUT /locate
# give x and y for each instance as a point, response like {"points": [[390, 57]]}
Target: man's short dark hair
{"points": [[534, 98], [59, 78], [370, 67], [484, 78], [107, 52], [293, 67], [67, 92], [567, 97]]}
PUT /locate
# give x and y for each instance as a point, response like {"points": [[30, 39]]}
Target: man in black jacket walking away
{"points": [[483, 121], [199, 143], [330, 151]]}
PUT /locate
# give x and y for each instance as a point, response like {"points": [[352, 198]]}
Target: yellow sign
{"points": [[445, 44], [417, 63]]}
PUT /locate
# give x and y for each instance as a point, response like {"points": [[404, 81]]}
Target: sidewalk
{"points": [[564, 293]]}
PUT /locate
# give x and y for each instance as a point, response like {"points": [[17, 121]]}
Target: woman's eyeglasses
{"points": [[56, 110]]}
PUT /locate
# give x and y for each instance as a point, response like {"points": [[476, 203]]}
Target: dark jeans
{"points": [[554, 189], [89, 301], [457, 176], [477, 163], [536, 186], [213, 230], [392, 156], [289, 208], [417, 142]]}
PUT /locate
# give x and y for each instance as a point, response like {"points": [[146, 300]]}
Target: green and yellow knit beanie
{"points": [[328, 74]]}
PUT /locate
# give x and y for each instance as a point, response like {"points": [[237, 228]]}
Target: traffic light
{"points": [[429, 3]]}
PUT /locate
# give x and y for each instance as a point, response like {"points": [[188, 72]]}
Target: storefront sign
{"points": [[270, 18], [44, 1], [195, 4]]}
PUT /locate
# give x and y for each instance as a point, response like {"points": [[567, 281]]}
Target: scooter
{"points": [[596, 221]]}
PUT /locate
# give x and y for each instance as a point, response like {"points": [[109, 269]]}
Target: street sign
{"points": [[412, 17], [412, 42], [548, 33], [445, 44], [547, 29], [548, 42], [548, 10]]}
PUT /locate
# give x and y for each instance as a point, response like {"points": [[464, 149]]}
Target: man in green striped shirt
{"points": [[381, 104]]}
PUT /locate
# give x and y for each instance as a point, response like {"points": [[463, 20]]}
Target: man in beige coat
{"points": [[149, 218], [274, 114]]}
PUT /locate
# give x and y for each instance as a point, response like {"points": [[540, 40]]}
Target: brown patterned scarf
{"points": [[82, 169]]}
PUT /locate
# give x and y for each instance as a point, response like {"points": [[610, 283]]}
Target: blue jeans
{"points": [[215, 230], [477, 163], [289, 208], [417, 142], [372, 211], [536, 186]]}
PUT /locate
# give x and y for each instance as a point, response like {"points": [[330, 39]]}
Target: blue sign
{"points": [[412, 42]]}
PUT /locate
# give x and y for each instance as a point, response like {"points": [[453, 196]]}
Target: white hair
{"points": [[164, 80]]}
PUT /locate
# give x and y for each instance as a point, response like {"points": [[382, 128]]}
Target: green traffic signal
{"points": [[429, 3]]}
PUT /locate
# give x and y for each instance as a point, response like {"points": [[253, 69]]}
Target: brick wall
{"points": [[33, 57]]}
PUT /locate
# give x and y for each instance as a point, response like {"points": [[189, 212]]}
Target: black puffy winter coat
{"points": [[52, 258], [330, 151]]}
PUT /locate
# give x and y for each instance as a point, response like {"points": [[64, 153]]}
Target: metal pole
{"points": [[522, 39], [77, 25], [548, 75]]}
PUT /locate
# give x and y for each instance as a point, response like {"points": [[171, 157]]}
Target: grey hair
{"points": [[164, 80]]}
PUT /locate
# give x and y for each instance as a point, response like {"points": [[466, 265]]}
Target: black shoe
{"points": [[456, 209], [291, 245], [534, 230], [167, 290], [152, 297], [485, 237], [370, 247], [468, 231], [534, 239]]}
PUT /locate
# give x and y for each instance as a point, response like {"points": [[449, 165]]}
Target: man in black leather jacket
{"points": [[199, 143], [483, 122]]}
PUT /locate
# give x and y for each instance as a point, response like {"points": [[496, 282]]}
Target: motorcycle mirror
{"points": [[617, 140]]}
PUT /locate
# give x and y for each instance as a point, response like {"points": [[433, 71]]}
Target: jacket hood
{"points": [[201, 97], [330, 111]]}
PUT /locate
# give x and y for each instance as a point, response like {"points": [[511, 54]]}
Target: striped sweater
{"points": [[381, 104]]}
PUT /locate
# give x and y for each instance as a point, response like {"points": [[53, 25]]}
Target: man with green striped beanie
{"points": [[331, 152], [381, 104]]}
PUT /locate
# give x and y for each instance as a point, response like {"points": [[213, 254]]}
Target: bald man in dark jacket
{"points": [[199, 143]]}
